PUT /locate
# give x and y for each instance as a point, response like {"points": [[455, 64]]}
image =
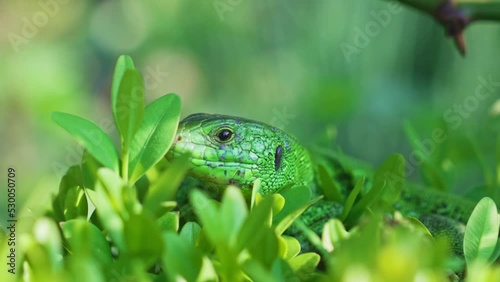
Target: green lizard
{"points": [[232, 150]]}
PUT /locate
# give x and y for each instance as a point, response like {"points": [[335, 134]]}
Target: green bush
{"points": [[115, 218]]}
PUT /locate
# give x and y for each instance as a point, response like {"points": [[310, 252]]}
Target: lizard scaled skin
{"points": [[232, 150], [252, 150]]}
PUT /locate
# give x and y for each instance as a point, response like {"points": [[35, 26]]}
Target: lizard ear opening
{"points": [[277, 157]]}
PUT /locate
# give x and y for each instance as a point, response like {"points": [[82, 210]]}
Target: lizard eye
{"points": [[224, 135]]}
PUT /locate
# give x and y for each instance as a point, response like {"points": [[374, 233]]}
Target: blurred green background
{"points": [[354, 70]]}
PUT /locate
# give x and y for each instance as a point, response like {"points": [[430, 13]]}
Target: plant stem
{"points": [[125, 156], [424, 5], [481, 11], [476, 11], [455, 17]]}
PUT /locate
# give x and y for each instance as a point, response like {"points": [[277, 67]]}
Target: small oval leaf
{"points": [[156, 134], [129, 106], [123, 64], [97, 143], [481, 232], [143, 238], [84, 238], [165, 187]]}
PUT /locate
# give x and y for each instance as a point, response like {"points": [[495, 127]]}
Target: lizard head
{"points": [[232, 150]]}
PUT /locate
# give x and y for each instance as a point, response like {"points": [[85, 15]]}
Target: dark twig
{"points": [[455, 17], [454, 21]]}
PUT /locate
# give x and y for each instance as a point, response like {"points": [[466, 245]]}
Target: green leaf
{"points": [[167, 206], [129, 106], [94, 217], [169, 222], [72, 178], [143, 238], [432, 176], [207, 271], [75, 204], [391, 173], [123, 64], [204, 244], [113, 187], [233, 212], [251, 230], [191, 263], [382, 179], [95, 141], [417, 224], [328, 185], [295, 198], [130, 201], [282, 271], [57, 212], [83, 269], [85, 239], [304, 265], [311, 235], [107, 198], [363, 246], [352, 198], [283, 225], [127, 269], [494, 192], [333, 233], [257, 272], [481, 232], [429, 172], [46, 234], [221, 224], [207, 211], [191, 232], [278, 203], [359, 209], [90, 166], [267, 248], [165, 187], [255, 190], [155, 136], [496, 252], [292, 247]]}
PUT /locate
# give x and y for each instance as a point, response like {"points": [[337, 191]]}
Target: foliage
{"points": [[115, 219], [481, 234]]}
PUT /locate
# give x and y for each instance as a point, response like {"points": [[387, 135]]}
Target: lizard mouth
{"points": [[218, 174], [201, 162]]}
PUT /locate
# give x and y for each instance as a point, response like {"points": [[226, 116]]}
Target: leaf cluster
{"points": [[115, 218]]}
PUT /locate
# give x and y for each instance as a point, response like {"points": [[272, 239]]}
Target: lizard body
{"points": [[232, 150]]}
